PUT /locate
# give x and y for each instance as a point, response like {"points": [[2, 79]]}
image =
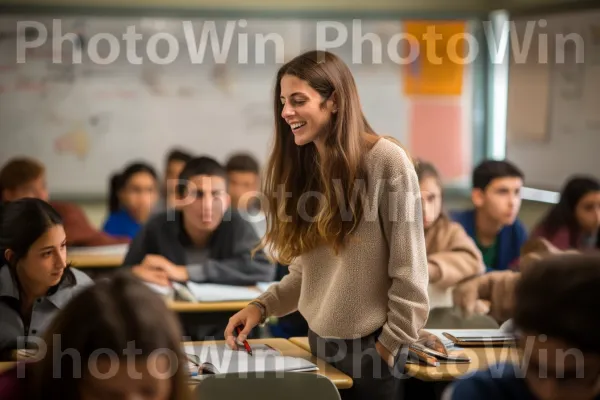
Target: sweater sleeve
{"points": [[460, 260], [401, 219], [282, 298]]}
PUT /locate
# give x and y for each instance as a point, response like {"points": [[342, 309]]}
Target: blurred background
{"points": [[201, 84]]}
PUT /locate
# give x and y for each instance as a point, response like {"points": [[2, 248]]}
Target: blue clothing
{"points": [[509, 241], [499, 382], [120, 223]]}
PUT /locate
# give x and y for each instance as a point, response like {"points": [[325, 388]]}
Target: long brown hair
{"points": [[294, 172], [107, 316]]}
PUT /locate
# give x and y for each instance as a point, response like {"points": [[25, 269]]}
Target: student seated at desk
{"points": [[133, 196], [557, 329], [243, 174], [493, 223], [574, 222], [35, 280], [176, 160], [203, 240], [26, 177], [452, 256], [118, 340]]}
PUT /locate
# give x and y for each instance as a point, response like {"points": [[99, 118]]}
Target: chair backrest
{"points": [[272, 385]]}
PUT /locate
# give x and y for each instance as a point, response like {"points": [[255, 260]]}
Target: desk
{"points": [[207, 307], [481, 358], [287, 348], [82, 261]]}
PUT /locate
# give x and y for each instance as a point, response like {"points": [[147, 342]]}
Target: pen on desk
{"points": [[245, 342]]}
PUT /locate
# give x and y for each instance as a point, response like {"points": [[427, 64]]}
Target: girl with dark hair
{"points": [[573, 223], [115, 340], [347, 221], [35, 280], [452, 255], [133, 197]]}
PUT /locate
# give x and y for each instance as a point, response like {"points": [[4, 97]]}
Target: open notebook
{"points": [[220, 359], [209, 292]]}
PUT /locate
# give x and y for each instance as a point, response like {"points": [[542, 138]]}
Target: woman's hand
{"points": [[249, 317], [385, 354]]}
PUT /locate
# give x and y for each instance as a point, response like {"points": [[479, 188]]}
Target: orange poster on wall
{"points": [[439, 51]]}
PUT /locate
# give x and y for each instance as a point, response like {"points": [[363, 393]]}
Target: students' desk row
{"points": [[481, 358], [287, 348]]}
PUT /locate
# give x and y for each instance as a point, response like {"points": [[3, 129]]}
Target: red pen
{"points": [[245, 342]]}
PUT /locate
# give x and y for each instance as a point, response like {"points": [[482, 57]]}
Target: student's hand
{"points": [[151, 274], [174, 272], [465, 297], [249, 317], [385, 354]]}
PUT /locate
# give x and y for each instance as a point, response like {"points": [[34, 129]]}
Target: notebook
{"points": [[479, 337], [220, 359]]}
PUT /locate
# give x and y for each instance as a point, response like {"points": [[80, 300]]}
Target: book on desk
{"points": [[213, 359]]}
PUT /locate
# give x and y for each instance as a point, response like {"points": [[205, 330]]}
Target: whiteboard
{"points": [[85, 121], [553, 127]]}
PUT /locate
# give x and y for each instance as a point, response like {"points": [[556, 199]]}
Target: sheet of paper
{"points": [[110, 250], [264, 286], [214, 292]]}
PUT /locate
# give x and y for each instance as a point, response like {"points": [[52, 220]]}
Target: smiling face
{"points": [[304, 110]]}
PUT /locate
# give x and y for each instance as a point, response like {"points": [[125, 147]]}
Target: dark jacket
{"points": [[229, 249]]}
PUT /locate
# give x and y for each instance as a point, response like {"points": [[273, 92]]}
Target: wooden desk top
{"points": [[481, 358], [287, 348], [96, 261], [223, 306]]}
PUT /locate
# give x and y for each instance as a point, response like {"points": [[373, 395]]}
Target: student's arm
{"points": [[282, 298], [459, 261], [400, 214], [145, 265], [241, 267]]}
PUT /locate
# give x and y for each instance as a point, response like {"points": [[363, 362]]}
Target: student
{"points": [[203, 240], [493, 223], [25, 177], [346, 222], [451, 254], [557, 329], [133, 196], [574, 222], [35, 280], [493, 293], [176, 160], [116, 340], [243, 175]]}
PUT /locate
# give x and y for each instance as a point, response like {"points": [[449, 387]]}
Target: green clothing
{"points": [[489, 254]]}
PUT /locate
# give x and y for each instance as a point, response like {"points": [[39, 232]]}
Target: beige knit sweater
{"points": [[380, 279]]}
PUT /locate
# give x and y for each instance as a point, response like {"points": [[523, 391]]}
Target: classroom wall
{"points": [[438, 6]]}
